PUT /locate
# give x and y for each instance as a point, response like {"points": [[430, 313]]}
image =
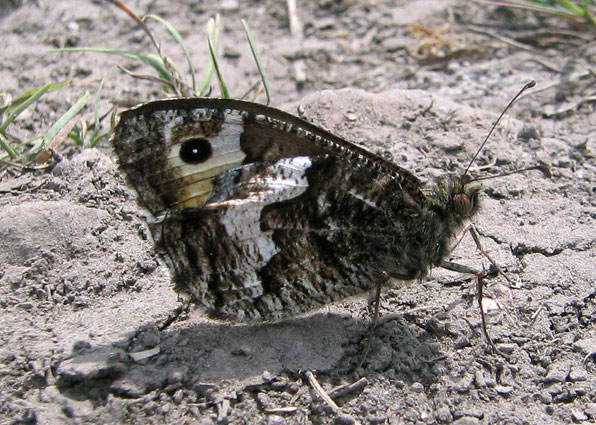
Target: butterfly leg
{"points": [[479, 290], [460, 268], [472, 229], [375, 318], [480, 275]]}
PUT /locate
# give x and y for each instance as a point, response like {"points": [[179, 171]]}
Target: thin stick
{"points": [[352, 388], [296, 31], [317, 387]]}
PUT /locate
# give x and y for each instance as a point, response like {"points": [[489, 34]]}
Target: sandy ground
{"points": [[81, 289]]}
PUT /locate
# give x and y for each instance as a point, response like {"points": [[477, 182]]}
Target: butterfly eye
{"points": [[195, 151]]}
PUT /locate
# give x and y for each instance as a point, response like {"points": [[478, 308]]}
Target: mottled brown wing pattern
{"points": [[280, 245], [261, 215]]}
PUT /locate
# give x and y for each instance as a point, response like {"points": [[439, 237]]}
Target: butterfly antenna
{"points": [[543, 168], [528, 85]]}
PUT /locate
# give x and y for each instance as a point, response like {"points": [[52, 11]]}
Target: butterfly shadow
{"points": [[200, 353], [327, 341]]}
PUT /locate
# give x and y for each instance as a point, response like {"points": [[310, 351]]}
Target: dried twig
{"points": [[344, 390], [296, 31], [500, 37], [281, 410], [179, 87], [317, 387]]}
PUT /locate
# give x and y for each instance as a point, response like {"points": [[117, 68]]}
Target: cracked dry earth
{"points": [[92, 332]]}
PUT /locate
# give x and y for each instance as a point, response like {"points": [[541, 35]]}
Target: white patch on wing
{"points": [[362, 198], [284, 180], [168, 126]]}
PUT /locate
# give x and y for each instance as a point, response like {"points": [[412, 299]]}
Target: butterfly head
{"points": [[465, 198], [457, 199]]}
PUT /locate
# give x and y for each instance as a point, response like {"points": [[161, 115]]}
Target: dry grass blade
{"points": [[174, 76], [180, 41]]}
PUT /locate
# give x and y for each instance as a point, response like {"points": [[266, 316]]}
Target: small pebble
{"points": [[275, 419], [178, 396], [177, 375], [545, 397], [578, 415], [504, 389], [490, 306], [417, 387], [343, 419], [577, 373], [557, 372], [229, 5], [467, 420], [585, 346], [443, 415], [590, 409], [479, 379], [464, 384], [462, 342], [507, 347], [528, 132]]}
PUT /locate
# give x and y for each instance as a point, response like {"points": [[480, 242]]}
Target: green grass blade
{"points": [[563, 8], [587, 15], [154, 61], [180, 42], [534, 7], [58, 125], [5, 144], [572, 7], [93, 138], [213, 27], [222, 85], [28, 101], [26, 95], [255, 55]]}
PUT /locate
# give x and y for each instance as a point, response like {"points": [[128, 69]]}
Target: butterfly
{"points": [[261, 215]]}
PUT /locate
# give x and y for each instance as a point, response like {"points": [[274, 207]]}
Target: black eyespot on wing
{"points": [[196, 150]]}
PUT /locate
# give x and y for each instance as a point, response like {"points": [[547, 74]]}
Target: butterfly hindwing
{"points": [[283, 238]]}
